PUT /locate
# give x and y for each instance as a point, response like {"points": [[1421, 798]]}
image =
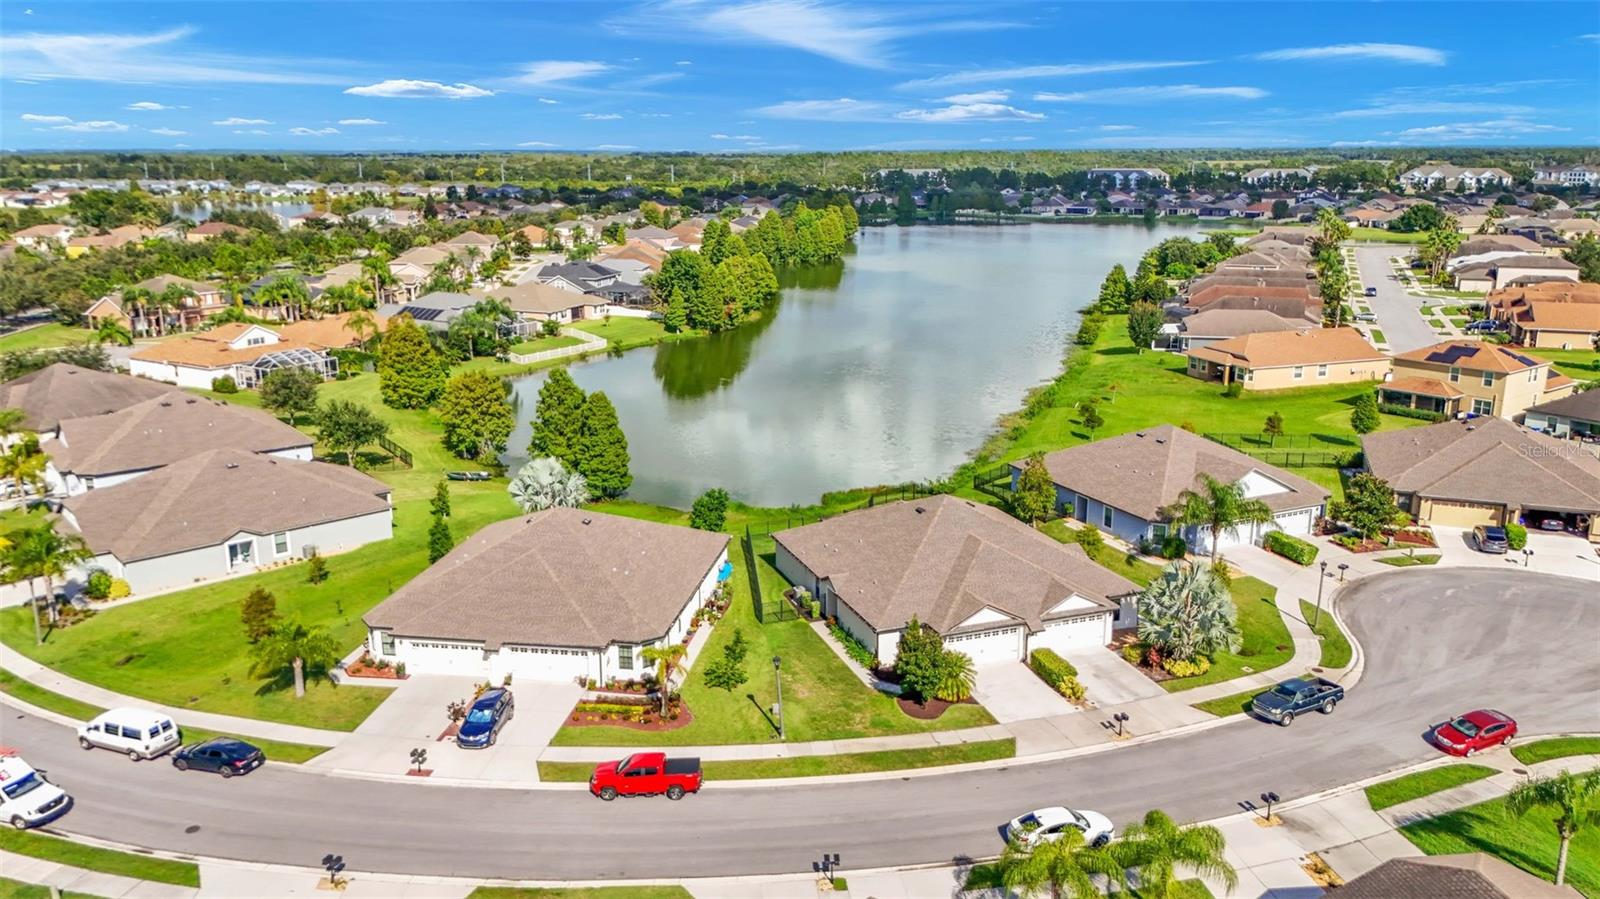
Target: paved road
{"points": [[1438, 643], [1398, 318]]}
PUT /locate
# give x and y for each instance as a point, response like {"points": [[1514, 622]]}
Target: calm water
{"points": [[891, 367], [202, 210]]}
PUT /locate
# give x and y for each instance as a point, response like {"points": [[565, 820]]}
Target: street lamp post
{"points": [[777, 676], [1321, 576]]}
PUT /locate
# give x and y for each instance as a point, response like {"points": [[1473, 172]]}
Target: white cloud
{"points": [[361, 122], [251, 131], [616, 147], [167, 132], [651, 80], [1590, 37], [96, 127], [600, 116], [1004, 140], [313, 132], [748, 138], [978, 76], [843, 109], [1437, 108], [1117, 127], [556, 71], [45, 119], [979, 97], [655, 115], [683, 62], [238, 120], [155, 58], [536, 143], [1150, 93], [1406, 53], [1509, 128], [412, 89], [1365, 143], [969, 112], [1220, 139], [548, 100], [147, 106]]}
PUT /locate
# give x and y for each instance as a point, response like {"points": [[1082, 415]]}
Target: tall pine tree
{"points": [[411, 374], [557, 419], [603, 448]]}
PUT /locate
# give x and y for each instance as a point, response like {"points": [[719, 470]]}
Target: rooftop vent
{"points": [[587, 520], [920, 510], [231, 465]]}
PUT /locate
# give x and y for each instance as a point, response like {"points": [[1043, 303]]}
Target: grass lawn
{"points": [[1529, 842], [1384, 235], [822, 699], [1555, 748], [1584, 365], [1129, 566], [1410, 561], [1336, 649], [642, 891], [819, 765], [627, 332], [16, 889], [1377, 336], [1424, 783], [1223, 706], [541, 344], [53, 334], [1265, 642], [93, 858]]}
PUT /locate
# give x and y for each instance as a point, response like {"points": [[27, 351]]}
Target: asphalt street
{"points": [[1437, 642], [1397, 313]]}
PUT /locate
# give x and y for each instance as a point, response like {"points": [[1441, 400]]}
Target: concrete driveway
{"points": [[1012, 692], [1108, 679], [414, 717], [1552, 553], [1402, 325]]}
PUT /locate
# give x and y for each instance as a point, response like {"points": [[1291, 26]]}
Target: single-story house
{"points": [[559, 595], [245, 352], [1279, 359], [1487, 471], [1125, 486], [1509, 269], [483, 243], [207, 230], [536, 302], [59, 392], [222, 512], [578, 277], [48, 236], [1475, 874], [435, 310], [102, 450], [1471, 376], [1212, 325], [991, 586], [1575, 415]]}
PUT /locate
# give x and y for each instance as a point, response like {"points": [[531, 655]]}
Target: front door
{"points": [[1081, 508]]}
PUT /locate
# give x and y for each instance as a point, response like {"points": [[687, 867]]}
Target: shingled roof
{"points": [[211, 496], [942, 559], [1474, 355], [1275, 349], [1487, 460], [162, 430], [60, 391], [1472, 875], [1143, 472], [561, 577]]}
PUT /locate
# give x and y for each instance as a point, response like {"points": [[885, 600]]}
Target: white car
{"points": [[26, 798], [1047, 824], [140, 733]]}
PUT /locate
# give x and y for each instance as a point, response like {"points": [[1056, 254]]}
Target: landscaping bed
{"points": [[1264, 638], [379, 670], [634, 715], [930, 709], [1410, 561]]}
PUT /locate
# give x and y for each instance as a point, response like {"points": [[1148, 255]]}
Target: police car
{"points": [[26, 798]]}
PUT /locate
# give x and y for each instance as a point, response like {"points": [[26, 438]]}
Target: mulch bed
{"points": [[1415, 538], [361, 669], [450, 732], [1365, 546], [930, 709], [655, 723]]}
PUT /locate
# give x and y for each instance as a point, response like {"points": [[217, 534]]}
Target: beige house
{"points": [[1282, 359], [1469, 376], [1538, 267], [1557, 314]]}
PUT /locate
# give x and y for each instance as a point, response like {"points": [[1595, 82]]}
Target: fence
{"points": [[590, 344], [1293, 450], [995, 482], [769, 604], [399, 453]]}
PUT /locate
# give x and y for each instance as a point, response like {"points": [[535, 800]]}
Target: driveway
{"points": [[1402, 325], [1552, 553], [1108, 679], [414, 717], [1012, 692]]}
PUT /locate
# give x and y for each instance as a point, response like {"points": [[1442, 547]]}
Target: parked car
{"points": [[1046, 825], [27, 799], [1297, 696], [488, 714], [1366, 316], [1489, 538], [1552, 524], [646, 774], [1474, 732], [1372, 291], [226, 756], [140, 733]]}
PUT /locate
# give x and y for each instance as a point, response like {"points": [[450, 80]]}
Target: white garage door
{"points": [[431, 657], [1295, 524], [998, 645], [546, 663], [1075, 633]]}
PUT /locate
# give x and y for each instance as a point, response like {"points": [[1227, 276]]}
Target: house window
{"points": [[1455, 373], [1107, 515], [241, 553], [1299, 372], [385, 643], [280, 543], [255, 341], [625, 657], [1322, 371], [1488, 379], [1483, 407], [1158, 531]]}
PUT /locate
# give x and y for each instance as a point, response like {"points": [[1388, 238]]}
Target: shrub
{"points": [[1051, 667], [1173, 547], [854, 648], [816, 610], [735, 649], [1516, 536], [1233, 391], [1348, 541], [1133, 653], [1408, 412], [1072, 689], [724, 674], [98, 585], [1090, 539], [1292, 548], [119, 589], [316, 568], [225, 384], [1179, 668]]}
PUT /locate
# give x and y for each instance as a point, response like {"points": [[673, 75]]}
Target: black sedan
{"points": [[223, 755]]}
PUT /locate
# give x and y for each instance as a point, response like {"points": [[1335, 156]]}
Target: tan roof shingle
{"points": [[60, 391], [1275, 349], [1486, 460], [162, 430]]}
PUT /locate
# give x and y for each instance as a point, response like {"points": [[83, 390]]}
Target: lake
{"points": [[892, 366], [201, 211]]}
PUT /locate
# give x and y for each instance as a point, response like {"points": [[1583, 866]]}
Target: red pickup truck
{"points": [[646, 774]]}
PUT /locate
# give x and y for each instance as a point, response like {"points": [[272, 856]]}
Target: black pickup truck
{"points": [[1297, 696]]}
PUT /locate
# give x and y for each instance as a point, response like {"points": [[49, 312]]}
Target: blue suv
{"points": [[488, 714]]}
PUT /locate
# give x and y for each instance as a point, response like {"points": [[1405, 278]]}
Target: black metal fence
{"points": [[400, 454], [995, 482], [1294, 450], [768, 600]]}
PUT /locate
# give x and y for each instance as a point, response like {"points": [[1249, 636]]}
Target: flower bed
{"points": [[1415, 537], [379, 670], [633, 714], [628, 687], [1358, 544]]}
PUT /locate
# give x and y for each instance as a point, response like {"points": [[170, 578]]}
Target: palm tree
{"points": [[136, 301], [546, 483], [42, 554], [10, 423], [1575, 799], [1157, 845], [110, 330], [956, 677], [1188, 612], [666, 659], [376, 268], [24, 464], [1066, 866], [1217, 506], [294, 648]]}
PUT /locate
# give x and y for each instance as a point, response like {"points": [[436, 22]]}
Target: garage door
{"points": [[433, 657], [1295, 524], [998, 645], [546, 663], [1463, 515], [1075, 633]]}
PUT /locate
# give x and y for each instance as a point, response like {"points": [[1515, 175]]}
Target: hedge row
{"points": [[1050, 666], [1292, 548], [1408, 412]]}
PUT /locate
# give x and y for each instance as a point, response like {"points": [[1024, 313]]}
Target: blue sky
{"points": [[780, 75]]}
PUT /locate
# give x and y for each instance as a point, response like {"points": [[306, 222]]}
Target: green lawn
{"points": [[1131, 567], [93, 858], [1232, 704], [1384, 235], [1336, 649], [643, 891], [47, 336], [1424, 783], [16, 889], [1555, 748], [1529, 842], [1265, 642], [822, 699], [1584, 365], [541, 344], [628, 332], [1410, 561], [818, 765], [1377, 336]]}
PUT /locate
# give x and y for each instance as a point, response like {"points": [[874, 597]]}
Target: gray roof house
{"points": [[578, 277], [61, 391], [1212, 324], [535, 301], [224, 512], [1471, 875], [1575, 415], [1125, 484], [990, 585], [434, 310], [558, 595]]}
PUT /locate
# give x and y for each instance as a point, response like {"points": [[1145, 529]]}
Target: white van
{"points": [[141, 733], [26, 798]]}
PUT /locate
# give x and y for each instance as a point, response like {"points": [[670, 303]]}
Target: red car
{"points": [[646, 774], [1475, 731]]}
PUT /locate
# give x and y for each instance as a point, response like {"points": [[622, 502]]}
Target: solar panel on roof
{"points": [[422, 313], [1519, 357], [1451, 355]]}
